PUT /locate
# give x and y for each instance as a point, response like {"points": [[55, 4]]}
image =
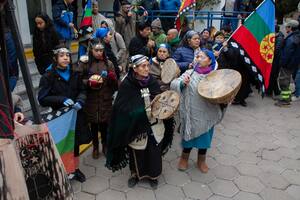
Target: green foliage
{"points": [[202, 3]]}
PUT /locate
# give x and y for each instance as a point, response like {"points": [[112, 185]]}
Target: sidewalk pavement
{"points": [[255, 155]]}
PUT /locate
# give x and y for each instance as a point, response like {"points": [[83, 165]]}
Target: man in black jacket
{"points": [[289, 61]]}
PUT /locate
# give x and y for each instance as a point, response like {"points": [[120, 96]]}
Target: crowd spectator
{"points": [[289, 61], [62, 12], [157, 34], [141, 44], [45, 39], [206, 41], [172, 40], [169, 10]]}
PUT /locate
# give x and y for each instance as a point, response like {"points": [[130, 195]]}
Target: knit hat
{"points": [[292, 23], [156, 23], [138, 59], [211, 56], [163, 45], [101, 33]]}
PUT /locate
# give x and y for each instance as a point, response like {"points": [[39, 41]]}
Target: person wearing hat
{"points": [[289, 61], [105, 36], [197, 116], [130, 136], [126, 22], [141, 44], [61, 86], [99, 77], [157, 34]]}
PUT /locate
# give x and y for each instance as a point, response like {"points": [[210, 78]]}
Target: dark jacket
{"points": [[183, 57], [290, 52], [112, 57], [138, 45], [62, 16], [54, 90], [98, 105], [43, 44], [170, 5]]}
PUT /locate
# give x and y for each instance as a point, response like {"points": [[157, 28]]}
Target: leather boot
{"points": [[202, 166], [183, 162], [96, 153]]}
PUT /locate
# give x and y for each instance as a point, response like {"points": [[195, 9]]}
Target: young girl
{"points": [[45, 39], [101, 81], [59, 87], [197, 116]]}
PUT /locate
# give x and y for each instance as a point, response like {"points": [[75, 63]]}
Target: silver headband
{"points": [[61, 50], [98, 46]]}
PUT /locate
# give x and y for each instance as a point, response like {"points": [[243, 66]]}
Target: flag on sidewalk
{"points": [[185, 6], [255, 39], [61, 125]]}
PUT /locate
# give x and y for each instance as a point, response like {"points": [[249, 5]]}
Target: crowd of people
{"points": [[118, 74]]}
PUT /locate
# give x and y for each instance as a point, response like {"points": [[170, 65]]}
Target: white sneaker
{"points": [[294, 98]]}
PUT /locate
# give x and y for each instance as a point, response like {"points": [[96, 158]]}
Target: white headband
{"points": [[61, 50]]}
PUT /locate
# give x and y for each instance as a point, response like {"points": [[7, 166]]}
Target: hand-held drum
{"points": [[169, 71], [165, 104], [220, 86]]}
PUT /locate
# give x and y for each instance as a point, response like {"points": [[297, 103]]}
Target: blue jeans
{"points": [[297, 82]]}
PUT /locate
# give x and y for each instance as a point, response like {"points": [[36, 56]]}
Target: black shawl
{"points": [[129, 119]]}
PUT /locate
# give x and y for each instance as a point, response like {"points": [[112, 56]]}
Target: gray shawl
{"points": [[197, 115]]}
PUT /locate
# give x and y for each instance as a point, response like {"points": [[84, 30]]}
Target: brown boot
{"points": [[183, 162], [202, 166], [96, 153]]}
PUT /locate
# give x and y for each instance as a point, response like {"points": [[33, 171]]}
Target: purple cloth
{"points": [[203, 70]]}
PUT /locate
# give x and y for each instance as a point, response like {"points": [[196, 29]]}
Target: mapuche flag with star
{"points": [[256, 40], [185, 6]]}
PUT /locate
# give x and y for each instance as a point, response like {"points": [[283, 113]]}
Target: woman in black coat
{"points": [[45, 39], [60, 87]]}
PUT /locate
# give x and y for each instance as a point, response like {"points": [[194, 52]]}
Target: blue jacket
{"points": [[62, 16], [290, 52], [169, 5], [183, 57]]}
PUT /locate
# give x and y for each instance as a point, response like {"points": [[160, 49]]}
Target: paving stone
{"points": [[265, 137], [120, 183], [197, 176], [230, 140], [111, 195], [248, 157], [140, 193], [88, 160], [177, 178], [196, 190], [225, 159], [225, 172], [290, 163], [174, 164], [248, 146], [217, 197], [84, 196], [272, 194], [169, 192], [228, 149], [95, 185], [285, 142], [223, 188], [289, 153], [145, 183], [275, 181], [249, 184], [246, 196], [211, 162], [248, 169], [270, 166], [88, 171], [104, 172], [271, 155], [294, 191], [292, 176], [76, 185], [171, 155]]}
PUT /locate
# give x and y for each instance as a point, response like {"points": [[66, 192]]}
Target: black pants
{"points": [[95, 128], [200, 151]]}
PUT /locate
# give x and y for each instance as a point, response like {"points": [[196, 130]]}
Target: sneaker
{"points": [[132, 181], [153, 183], [282, 103], [79, 176], [294, 98]]}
